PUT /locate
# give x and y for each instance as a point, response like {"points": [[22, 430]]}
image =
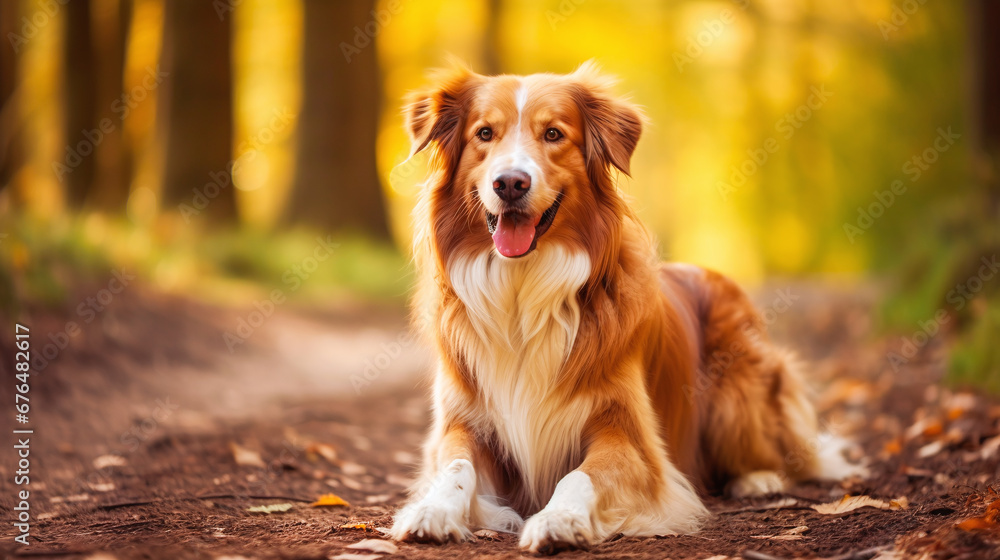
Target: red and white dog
{"points": [[580, 382]]}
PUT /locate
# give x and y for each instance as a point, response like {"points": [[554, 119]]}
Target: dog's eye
{"points": [[485, 134], [553, 134]]}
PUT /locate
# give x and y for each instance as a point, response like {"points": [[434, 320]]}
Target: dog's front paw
{"points": [[431, 520], [550, 531]]}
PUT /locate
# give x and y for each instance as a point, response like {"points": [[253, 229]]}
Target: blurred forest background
{"points": [[205, 144]]}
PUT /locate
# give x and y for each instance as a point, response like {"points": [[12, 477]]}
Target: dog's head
{"points": [[523, 156]]}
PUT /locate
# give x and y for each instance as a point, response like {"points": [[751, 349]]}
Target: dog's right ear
{"points": [[438, 115]]}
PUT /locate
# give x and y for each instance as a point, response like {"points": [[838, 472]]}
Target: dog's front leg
{"points": [[441, 510], [624, 484]]}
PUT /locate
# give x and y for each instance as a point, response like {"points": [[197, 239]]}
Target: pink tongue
{"points": [[514, 235]]}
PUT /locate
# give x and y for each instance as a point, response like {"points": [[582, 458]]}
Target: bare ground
{"points": [[152, 440]]}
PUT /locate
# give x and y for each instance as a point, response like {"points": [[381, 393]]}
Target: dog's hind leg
{"points": [[760, 430]]}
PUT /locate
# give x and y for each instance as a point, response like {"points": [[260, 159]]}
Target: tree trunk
{"points": [[10, 112], [195, 109], [336, 186], [112, 158], [77, 170], [985, 19], [492, 37]]}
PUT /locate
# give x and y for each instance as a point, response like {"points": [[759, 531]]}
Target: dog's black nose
{"points": [[512, 185]]}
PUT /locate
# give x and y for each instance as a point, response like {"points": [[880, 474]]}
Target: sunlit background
{"points": [[853, 141]]}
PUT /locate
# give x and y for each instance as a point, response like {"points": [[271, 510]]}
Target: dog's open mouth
{"points": [[516, 233]]}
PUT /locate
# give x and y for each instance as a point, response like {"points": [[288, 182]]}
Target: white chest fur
{"points": [[521, 319]]}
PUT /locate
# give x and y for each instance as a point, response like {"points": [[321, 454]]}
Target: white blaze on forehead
{"points": [[522, 98], [515, 155]]}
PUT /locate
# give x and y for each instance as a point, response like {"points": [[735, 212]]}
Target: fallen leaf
{"points": [[351, 483], [270, 508], [404, 457], [961, 403], [935, 428], [375, 545], [917, 428], [329, 500], [487, 534], [397, 480], [793, 534], [917, 473], [851, 503], [105, 461], [72, 498], [987, 521], [893, 446], [977, 524], [323, 450], [989, 448], [846, 391], [776, 504], [102, 486], [246, 457], [378, 499], [930, 450], [361, 526], [351, 556], [352, 469], [942, 479]]}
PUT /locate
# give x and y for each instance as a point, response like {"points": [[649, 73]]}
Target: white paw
{"points": [[756, 483], [833, 465], [550, 531], [442, 514], [431, 520]]}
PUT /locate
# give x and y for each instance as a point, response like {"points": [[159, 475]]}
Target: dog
{"points": [[581, 385]]}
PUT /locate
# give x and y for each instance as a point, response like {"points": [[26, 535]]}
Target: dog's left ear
{"points": [[612, 126]]}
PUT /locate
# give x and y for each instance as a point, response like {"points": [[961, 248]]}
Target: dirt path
{"points": [[153, 440]]}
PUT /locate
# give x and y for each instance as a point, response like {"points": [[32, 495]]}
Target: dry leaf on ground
{"points": [[851, 503], [930, 450], [246, 457], [270, 508], [987, 521], [323, 450], [989, 448], [105, 461], [793, 534], [375, 545], [329, 500]]}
